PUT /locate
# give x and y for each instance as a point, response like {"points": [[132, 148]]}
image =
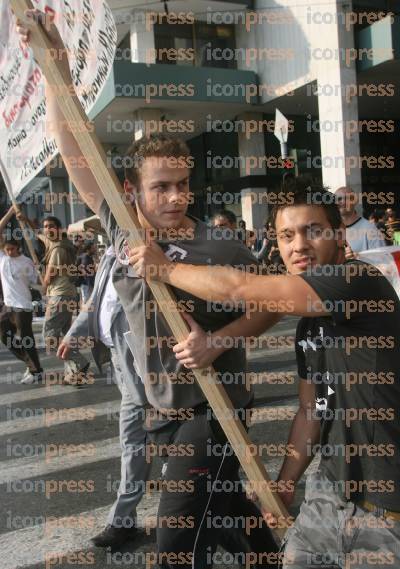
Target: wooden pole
{"points": [[126, 218]]}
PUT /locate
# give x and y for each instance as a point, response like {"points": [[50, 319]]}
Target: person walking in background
{"points": [[79, 243], [251, 241], [241, 231], [269, 253], [60, 268], [361, 234], [18, 273], [378, 218]]}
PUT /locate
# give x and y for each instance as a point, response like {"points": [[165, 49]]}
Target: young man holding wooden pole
{"points": [[347, 349], [180, 419]]}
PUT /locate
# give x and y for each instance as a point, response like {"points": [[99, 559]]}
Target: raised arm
{"points": [[5, 219], [79, 173]]}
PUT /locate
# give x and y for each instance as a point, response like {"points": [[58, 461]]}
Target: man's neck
{"points": [[187, 223], [349, 219]]}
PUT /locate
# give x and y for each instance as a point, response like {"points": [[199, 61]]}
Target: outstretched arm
{"points": [[283, 294], [3, 223], [5, 219]]}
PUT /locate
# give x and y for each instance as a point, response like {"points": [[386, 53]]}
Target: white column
{"points": [[254, 210], [338, 107]]}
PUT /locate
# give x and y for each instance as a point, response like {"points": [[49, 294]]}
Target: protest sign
{"points": [[89, 33], [387, 260]]}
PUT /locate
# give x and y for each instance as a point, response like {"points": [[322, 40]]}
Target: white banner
{"points": [[387, 260], [89, 33]]}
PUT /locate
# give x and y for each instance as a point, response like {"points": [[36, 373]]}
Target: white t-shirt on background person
{"points": [[17, 275]]}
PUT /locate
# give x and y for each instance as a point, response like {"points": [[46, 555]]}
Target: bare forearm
{"points": [[77, 168], [303, 436], [283, 294], [5, 219], [214, 284]]}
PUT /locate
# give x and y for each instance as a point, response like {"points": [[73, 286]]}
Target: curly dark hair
{"points": [[158, 145]]}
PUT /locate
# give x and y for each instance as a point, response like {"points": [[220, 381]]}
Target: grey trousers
{"points": [[58, 320], [330, 533], [134, 468]]}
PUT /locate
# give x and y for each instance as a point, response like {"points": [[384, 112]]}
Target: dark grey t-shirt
{"points": [[169, 386]]}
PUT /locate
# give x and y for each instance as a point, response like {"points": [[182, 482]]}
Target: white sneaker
{"points": [[29, 378], [26, 373]]}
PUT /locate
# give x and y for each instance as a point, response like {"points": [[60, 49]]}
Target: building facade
{"points": [[214, 72]]}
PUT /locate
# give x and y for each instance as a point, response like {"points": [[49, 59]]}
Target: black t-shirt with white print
{"points": [[352, 357]]}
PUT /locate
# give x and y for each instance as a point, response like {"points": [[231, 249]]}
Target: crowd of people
{"points": [[62, 268], [388, 223], [346, 346]]}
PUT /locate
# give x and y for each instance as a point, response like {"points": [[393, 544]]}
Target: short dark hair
{"points": [[229, 215], [13, 242], [158, 145], [304, 190], [54, 220]]}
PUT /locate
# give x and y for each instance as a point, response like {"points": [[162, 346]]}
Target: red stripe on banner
{"points": [[396, 257]]}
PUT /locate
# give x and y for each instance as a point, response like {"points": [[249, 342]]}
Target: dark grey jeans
{"points": [[135, 469]]}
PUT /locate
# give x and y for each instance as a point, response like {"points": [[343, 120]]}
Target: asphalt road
{"points": [[60, 458]]}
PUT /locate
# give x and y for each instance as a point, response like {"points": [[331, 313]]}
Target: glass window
{"points": [[211, 42], [198, 44], [174, 44]]}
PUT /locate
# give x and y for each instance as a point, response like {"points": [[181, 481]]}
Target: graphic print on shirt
{"points": [[123, 254], [314, 350], [123, 258], [175, 253]]}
